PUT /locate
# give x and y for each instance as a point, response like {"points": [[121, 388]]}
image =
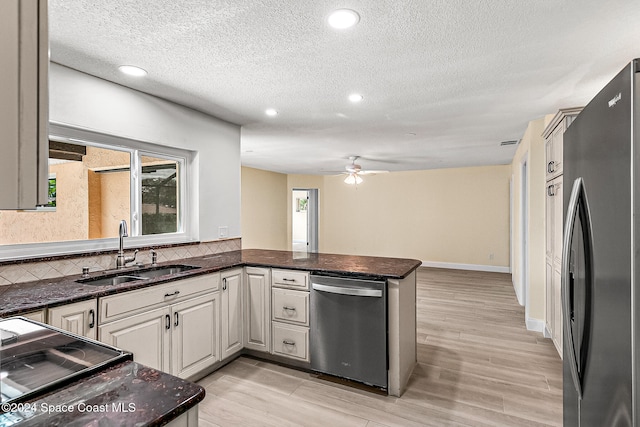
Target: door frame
{"points": [[312, 217]]}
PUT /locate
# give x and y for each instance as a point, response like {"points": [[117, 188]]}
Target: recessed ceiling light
{"points": [[132, 70], [355, 97], [343, 18], [271, 112]]}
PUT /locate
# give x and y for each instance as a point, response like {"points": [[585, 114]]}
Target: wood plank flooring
{"points": [[477, 366]]}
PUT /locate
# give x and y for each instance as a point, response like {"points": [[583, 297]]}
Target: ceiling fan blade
{"points": [[370, 172]]}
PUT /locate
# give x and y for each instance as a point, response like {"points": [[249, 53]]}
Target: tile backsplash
{"points": [[39, 270]]}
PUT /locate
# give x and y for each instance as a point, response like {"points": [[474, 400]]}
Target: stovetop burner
{"points": [[34, 358]]}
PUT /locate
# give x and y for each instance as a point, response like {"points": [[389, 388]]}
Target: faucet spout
{"points": [[122, 233], [121, 260]]}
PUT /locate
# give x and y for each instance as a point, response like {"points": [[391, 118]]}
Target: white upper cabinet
{"points": [[553, 137], [24, 104]]}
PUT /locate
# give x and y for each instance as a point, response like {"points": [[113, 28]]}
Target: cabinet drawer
{"points": [[290, 306], [291, 341], [290, 279], [129, 303]]}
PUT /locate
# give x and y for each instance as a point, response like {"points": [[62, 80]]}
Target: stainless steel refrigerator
{"points": [[601, 269]]}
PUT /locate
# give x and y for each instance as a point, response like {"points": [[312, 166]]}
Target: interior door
{"points": [[304, 220]]}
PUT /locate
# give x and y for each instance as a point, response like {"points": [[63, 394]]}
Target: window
{"points": [[97, 181]]}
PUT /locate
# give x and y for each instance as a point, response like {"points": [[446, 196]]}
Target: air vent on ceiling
{"points": [[514, 142]]}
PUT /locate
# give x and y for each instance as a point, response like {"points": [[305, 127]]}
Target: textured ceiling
{"points": [[444, 81]]}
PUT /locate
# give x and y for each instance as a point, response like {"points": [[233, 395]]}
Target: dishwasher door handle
{"points": [[357, 292]]}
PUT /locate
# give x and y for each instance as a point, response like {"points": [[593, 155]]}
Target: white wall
{"points": [[455, 217], [264, 209], [531, 150], [85, 101]]}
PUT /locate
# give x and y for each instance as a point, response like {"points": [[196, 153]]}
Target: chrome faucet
{"points": [[121, 260]]}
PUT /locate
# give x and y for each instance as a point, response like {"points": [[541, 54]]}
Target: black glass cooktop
{"points": [[36, 358]]}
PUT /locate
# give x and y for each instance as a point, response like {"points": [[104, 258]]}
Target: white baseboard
{"points": [[475, 267], [536, 325]]}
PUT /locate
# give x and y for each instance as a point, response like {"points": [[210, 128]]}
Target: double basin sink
{"points": [[132, 276]]}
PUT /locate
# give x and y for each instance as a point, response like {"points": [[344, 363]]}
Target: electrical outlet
{"points": [[223, 231]]}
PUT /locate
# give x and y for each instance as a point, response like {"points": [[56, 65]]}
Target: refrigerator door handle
{"points": [[577, 202]]}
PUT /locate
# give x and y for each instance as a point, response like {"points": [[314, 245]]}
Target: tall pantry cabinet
{"points": [[554, 222]]}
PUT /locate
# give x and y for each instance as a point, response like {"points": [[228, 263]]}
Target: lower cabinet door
{"points": [[231, 310], [257, 309], [78, 318], [195, 339], [147, 336]]}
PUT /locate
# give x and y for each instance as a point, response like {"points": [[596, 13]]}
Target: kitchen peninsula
{"points": [[399, 275]]}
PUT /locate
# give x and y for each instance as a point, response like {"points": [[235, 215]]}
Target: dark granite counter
{"points": [[21, 298], [128, 394]]}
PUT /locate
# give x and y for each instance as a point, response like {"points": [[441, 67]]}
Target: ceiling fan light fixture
{"points": [[132, 70], [352, 179], [343, 18]]}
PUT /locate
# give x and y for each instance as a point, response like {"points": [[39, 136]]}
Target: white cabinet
{"points": [[553, 140], [553, 261], [291, 279], [553, 135], [290, 314], [257, 308], [78, 318], [291, 306], [38, 315], [231, 310], [24, 103], [291, 341], [146, 335], [195, 339], [174, 327]]}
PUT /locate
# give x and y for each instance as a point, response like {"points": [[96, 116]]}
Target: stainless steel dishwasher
{"points": [[349, 329]]}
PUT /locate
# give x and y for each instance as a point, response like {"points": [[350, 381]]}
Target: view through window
{"points": [[90, 192]]}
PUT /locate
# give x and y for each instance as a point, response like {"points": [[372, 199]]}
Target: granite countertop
{"points": [[22, 298], [127, 394]]}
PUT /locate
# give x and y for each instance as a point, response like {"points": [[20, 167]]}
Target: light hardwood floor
{"points": [[477, 365]]}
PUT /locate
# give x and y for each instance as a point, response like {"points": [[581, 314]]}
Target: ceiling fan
{"points": [[354, 171]]}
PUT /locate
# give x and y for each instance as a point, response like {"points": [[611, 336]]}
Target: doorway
{"points": [[524, 238], [304, 220]]}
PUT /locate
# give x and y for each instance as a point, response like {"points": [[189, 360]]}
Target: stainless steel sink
{"points": [[164, 271], [132, 276], [111, 280]]}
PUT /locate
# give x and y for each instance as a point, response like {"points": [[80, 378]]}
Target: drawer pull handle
{"points": [[284, 279], [288, 342], [172, 295], [289, 308]]}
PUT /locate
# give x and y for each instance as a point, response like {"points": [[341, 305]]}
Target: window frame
{"points": [[187, 209]]}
